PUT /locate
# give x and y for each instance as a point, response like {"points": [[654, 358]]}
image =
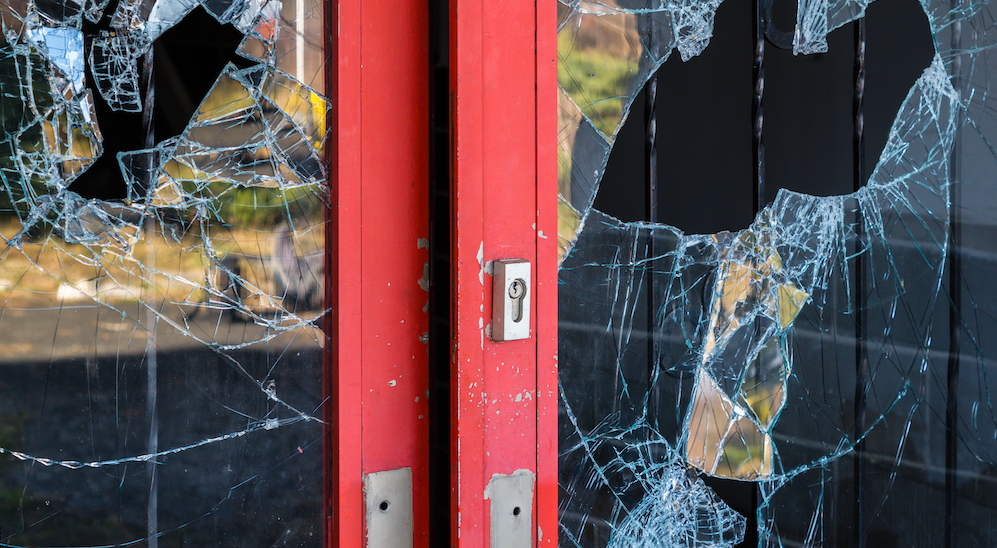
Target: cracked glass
{"points": [[162, 273], [820, 374]]}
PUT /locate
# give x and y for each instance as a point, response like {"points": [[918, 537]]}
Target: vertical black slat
{"points": [[439, 276], [650, 152], [758, 196], [756, 107], [861, 363], [148, 77], [148, 107], [955, 317], [651, 213]]}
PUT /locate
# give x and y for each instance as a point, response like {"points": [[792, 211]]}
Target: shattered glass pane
{"points": [[160, 357], [833, 357]]}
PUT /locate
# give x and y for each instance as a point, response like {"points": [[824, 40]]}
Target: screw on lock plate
{"points": [[390, 516]]}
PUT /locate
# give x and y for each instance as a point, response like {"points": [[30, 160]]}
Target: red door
{"points": [[503, 394], [379, 225], [503, 206]]}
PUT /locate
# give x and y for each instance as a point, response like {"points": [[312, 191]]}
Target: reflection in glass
{"points": [[810, 353], [160, 362]]}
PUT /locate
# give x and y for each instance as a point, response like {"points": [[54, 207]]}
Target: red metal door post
{"points": [[503, 395], [379, 222]]}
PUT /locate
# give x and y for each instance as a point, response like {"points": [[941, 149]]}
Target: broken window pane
{"points": [[162, 344], [832, 358]]}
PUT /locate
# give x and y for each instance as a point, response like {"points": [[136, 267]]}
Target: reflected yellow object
{"points": [[568, 222], [791, 300], [722, 440], [71, 139], [729, 435], [227, 97], [750, 283]]}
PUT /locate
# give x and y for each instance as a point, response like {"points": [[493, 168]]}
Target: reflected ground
{"points": [[74, 371]]}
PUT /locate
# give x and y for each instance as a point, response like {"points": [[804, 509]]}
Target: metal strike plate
{"points": [[511, 300], [388, 498], [511, 509]]}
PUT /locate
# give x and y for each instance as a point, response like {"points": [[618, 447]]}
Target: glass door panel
{"points": [[773, 309], [162, 278]]}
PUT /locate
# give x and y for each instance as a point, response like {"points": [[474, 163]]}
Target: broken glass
{"points": [[833, 357], [161, 348]]}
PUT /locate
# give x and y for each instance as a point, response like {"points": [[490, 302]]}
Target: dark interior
{"points": [[187, 60]]}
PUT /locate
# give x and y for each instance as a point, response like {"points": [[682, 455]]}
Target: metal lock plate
{"points": [[511, 509], [388, 499], [511, 300]]}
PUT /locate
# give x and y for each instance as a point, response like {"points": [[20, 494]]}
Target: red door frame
{"points": [[504, 177], [378, 364], [503, 75]]}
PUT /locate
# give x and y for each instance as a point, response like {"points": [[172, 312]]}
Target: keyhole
{"points": [[517, 292], [384, 506]]}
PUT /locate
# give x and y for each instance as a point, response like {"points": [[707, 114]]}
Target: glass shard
{"points": [[161, 358], [829, 362]]}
